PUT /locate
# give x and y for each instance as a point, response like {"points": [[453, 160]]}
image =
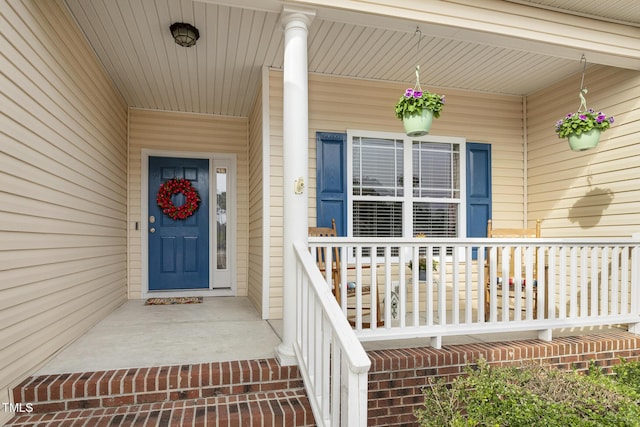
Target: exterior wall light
{"points": [[184, 34]]}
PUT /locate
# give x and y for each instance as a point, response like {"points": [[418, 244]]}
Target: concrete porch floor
{"points": [[135, 335]]}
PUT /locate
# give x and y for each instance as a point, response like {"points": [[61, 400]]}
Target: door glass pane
{"points": [[221, 218]]}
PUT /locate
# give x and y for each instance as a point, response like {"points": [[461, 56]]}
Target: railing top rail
{"points": [[356, 356], [475, 241]]}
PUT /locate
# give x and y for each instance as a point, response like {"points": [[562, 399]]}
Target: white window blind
{"points": [[436, 170], [377, 167], [377, 219], [435, 219]]}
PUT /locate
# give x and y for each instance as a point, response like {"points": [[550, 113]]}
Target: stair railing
{"points": [[331, 359]]}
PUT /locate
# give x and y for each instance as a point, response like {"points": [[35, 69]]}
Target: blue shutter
{"points": [[331, 188], [478, 189]]}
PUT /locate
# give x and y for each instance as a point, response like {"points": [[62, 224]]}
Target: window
{"points": [[382, 203], [436, 188], [378, 189]]}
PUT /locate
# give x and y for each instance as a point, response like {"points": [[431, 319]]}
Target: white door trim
{"points": [[228, 160]]}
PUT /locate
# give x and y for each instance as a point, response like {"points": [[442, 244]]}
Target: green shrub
{"points": [[628, 373], [532, 395]]}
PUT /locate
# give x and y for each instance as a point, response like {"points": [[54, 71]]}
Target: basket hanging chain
{"points": [[583, 90], [417, 86]]}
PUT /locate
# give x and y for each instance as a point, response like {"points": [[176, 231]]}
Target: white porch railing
{"points": [[578, 282], [331, 360]]}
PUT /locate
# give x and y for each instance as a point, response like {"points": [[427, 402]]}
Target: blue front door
{"points": [[178, 248]]}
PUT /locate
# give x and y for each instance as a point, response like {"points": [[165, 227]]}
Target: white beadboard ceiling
{"points": [[221, 74]]}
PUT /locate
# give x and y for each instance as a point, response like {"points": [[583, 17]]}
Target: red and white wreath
{"points": [[175, 186]]}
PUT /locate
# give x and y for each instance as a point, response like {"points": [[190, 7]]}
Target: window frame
{"points": [[408, 198]]}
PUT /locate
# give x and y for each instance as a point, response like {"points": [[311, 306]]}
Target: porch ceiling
{"points": [[221, 74]]}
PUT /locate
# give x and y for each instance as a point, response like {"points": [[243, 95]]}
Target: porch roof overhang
{"points": [[507, 47]]}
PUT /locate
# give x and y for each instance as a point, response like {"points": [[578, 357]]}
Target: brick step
{"points": [[271, 408], [139, 386]]}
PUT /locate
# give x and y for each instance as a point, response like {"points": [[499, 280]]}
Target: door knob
{"points": [[152, 230]]}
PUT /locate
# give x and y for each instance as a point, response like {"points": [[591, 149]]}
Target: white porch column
{"points": [[295, 162]]}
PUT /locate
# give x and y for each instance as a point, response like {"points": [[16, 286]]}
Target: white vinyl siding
{"points": [[593, 193], [337, 104], [162, 130], [63, 165]]}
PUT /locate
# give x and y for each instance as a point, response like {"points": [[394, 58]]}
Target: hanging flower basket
{"points": [[175, 186], [417, 109], [584, 141], [583, 128]]}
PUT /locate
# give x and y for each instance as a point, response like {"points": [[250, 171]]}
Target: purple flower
{"points": [[569, 115], [601, 118], [559, 123], [591, 110], [408, 93], [583, 117], [611, 119], [417, 94], [442, 99]]}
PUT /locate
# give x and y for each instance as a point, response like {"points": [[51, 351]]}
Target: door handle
{"points": [[152, 230], [152, 219]]}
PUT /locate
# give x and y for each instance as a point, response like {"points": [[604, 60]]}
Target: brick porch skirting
{"points": [[397, 376]]}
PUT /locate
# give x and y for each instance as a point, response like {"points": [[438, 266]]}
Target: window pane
{"points": [[377, 219], [377, 167], [436, 169], [435, 219], [221, 218]]}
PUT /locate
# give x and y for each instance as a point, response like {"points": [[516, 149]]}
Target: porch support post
{"points": [[295, 149]]}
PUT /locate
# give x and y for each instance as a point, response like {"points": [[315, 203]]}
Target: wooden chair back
{"points": [[508, 282], [521, 233], [321, 260], [321, 255]]}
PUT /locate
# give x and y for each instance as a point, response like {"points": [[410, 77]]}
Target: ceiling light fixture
{"points": [[184, 34]]}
